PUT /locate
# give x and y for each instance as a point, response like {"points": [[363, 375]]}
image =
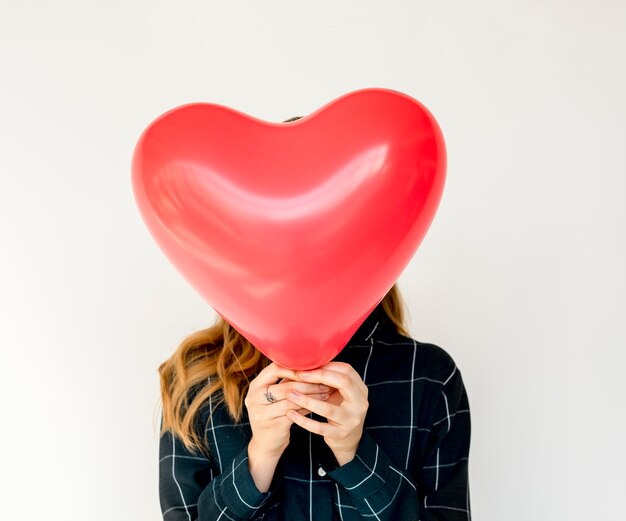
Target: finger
{"points": [[320, 396], [280, 390], [277, 393], [262, 399], [323, 429], [347, 369], [278, 410], [327, 410], [306, 388], [344, 383], [323, 388], [340, 367], [271, 374]]}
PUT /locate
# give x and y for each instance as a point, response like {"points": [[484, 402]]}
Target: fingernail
{"points": [[305, 374], [324, 387], [293, 395], [324, 396]]}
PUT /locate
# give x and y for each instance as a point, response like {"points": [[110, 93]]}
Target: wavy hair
{"points": [[219, 362]]}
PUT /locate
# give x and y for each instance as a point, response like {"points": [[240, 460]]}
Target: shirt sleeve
{"points": [[190, 488], [377, 488], [443, 487]]}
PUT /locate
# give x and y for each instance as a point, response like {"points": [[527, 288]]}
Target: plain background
{"points": [[520, 278]]}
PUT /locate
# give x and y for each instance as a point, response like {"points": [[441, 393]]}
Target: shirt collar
{"points": [[376, 324]]}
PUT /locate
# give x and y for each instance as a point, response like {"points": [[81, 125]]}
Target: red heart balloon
{"points": [[293, 232]]}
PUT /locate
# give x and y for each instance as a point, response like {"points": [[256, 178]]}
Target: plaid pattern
{"points": [[411, 463]]}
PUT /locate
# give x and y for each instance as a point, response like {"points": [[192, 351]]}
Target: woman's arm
{"points": [[383, 491], [364, 473], [191, 486], [191, 490]]}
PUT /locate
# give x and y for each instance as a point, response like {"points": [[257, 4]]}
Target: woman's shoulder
{"points": [[381, 342], [432, 356], [413, 358]]}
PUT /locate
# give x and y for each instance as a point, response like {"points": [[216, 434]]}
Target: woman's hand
{"points": [[267, 407], [344, 409]]}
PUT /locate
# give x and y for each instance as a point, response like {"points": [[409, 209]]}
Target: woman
{"points": [[381, 433]]}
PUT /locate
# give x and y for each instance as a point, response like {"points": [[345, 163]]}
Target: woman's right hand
{"points": [[268, 421]]}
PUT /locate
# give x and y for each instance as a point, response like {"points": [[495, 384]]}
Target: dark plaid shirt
{"points": [[411, 463]]}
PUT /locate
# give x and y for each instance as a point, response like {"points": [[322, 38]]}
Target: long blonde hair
{"points": [[218, 362]]}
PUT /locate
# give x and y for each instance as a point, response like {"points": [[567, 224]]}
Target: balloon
{"points": [[292, 232]]}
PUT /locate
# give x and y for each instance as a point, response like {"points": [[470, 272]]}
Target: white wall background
{"points": [[521, 277]]}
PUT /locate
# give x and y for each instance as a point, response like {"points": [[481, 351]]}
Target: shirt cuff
{"points": [[234, 490], [366, 473]]}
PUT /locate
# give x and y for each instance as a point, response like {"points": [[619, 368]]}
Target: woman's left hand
{"points": [[345, 409]]}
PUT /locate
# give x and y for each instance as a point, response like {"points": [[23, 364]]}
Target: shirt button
{"points": [[321, 472]]}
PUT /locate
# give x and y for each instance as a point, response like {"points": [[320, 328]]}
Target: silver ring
{"points": [[269, 396]]}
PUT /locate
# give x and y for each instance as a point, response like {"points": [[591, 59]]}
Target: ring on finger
{"points": [[269, 396]]}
